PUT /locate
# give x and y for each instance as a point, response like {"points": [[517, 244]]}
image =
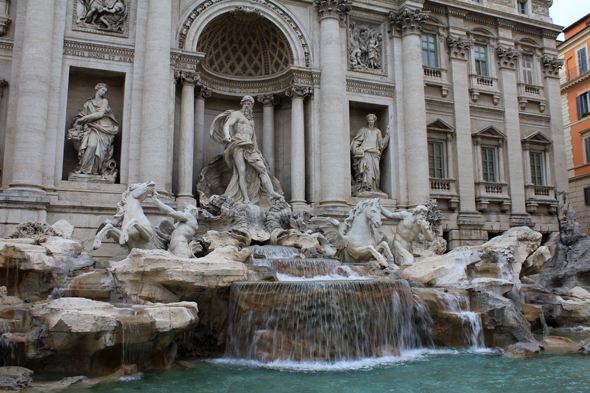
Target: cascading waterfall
{"points": [[472, 326], [324, 320], [295, 269]]}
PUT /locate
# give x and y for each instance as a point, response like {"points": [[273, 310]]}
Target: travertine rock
{"points": [[158, 276], [82, 335], [15, 378], [63, 228], [34, 270], [500, 258]]}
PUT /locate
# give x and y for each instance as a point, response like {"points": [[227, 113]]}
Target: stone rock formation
{"points": [[83, 335], [15, 378]]}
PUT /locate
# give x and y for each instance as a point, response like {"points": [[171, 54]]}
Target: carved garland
{"points": [[208, 3]]}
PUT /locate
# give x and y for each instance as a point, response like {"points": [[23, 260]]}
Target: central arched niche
{"points": [[244, 44]]}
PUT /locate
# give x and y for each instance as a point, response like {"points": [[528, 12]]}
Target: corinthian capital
{"points": [[507, 57], [458, 48], [298, 92], [268, 99], [551, 66], [408, 21], [332, 8], [187, 77]]}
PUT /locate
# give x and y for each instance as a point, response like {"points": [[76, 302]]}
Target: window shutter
{"points": [[587, 145], [579, 106], [587, 196]]}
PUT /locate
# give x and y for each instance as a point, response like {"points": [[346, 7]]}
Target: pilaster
{"points": [[187, 136], [268, 101], [297, 95], [409, 23], [156, 90]]}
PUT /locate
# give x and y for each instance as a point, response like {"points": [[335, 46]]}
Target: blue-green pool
{"points": [[417, 371]]}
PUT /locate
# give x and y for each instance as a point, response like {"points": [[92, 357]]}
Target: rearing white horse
{"points": [[130, 227], [355, 239]]}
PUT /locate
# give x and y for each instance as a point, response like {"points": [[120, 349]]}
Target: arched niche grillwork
{"points": [[244, 44]]}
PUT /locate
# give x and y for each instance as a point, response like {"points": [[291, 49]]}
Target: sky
{"points": [[566, 12]]}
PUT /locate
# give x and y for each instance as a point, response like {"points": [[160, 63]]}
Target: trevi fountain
{"points": [[238, 270]]}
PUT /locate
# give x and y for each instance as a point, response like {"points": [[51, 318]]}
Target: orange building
{"points": [[575, 97]]}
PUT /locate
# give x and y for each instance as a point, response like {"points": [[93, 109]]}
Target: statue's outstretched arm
{"points": [[179, 216], [393, 216]]}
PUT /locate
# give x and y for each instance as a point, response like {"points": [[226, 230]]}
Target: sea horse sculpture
{"points": [[355, 239], [129, 226]]}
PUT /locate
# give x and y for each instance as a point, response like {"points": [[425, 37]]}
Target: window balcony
{"points": [[540, 195], [531, 93], [486, 192], [445, 189], [480, 84], [573, 73], [437, 77]]}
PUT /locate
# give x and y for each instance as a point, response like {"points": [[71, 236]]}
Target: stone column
{"points": [[334, 138], [408, 22], [527, 164], [156, 92], [268, 102], [297, 94], [33, 98], [199, 151], [458, 51], [508, 86], [187, 137], [551, 66]]}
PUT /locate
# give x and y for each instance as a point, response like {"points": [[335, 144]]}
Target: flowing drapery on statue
{"points": [[94, 129], [250, 172], [367, 147]]}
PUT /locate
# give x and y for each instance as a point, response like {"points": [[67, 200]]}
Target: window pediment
{"points": [[490, 132]]}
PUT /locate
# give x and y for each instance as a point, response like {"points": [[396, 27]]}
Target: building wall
{"points": [[449, 103], [574, 83]]}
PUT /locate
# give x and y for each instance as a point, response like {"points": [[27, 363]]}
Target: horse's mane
{"points": [[358, 210], [118, 217]]}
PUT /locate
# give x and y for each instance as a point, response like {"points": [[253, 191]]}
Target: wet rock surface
{"points": [[15, 378]]}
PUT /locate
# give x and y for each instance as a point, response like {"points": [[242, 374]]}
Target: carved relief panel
{"points": [[109, 17], [366, 51]]}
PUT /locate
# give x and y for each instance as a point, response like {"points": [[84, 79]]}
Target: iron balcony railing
{"points": [[572, 73]]}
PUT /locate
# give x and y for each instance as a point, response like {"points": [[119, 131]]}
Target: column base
{"points": [[186, 198], [20, 205], [299, 206]]}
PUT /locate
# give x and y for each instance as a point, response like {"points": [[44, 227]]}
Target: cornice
{"points": [[98, 51], [361, 86]]}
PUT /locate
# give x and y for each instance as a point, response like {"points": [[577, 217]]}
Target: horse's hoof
{"points": [[96, 245]]}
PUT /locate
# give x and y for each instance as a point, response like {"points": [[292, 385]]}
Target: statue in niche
{"points": [[92, 134], [364, 48], [105, 15], [181, 242], [250, 171], [367, 147], [411, 225]]}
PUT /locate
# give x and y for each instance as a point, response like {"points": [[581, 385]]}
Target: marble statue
{"points": [[182, 243], [367, 147], [106, 15], [411, 225], [92, 134], [250, 177], [130, 227], [356, 240]]}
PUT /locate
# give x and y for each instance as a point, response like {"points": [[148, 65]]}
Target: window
{"points": [[488, 161], [527, 69], [587, 149], [521, 7], [481, 60], [537, 168], [429, 53], [582, 61], [436, 161], [587, 196], [582, 105]]}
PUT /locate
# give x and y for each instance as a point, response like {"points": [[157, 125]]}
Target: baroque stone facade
{"points": [[470, 99]]}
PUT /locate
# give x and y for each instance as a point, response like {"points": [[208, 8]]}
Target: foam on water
{"points": [[405, 356]]}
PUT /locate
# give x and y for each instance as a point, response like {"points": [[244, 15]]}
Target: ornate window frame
{"points": [[438, 131], [537, 194]]}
